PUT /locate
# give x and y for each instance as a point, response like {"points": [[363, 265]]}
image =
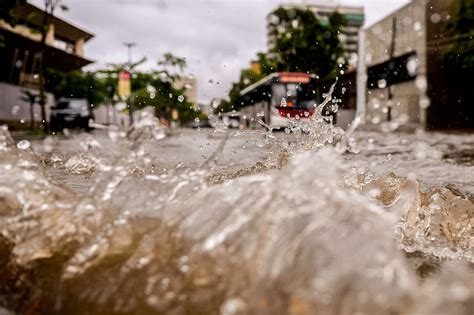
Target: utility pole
{"points": [[361, 79], [129, 46], [129, 63], [392, 55]]}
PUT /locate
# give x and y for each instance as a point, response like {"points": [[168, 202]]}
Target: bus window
{"points": [[278, 92], [301, 95]]}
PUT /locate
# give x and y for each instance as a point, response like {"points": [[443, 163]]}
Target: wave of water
{"points": [[301, 233]]}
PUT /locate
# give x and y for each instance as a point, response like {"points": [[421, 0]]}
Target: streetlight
{"points": [[130, 45]]}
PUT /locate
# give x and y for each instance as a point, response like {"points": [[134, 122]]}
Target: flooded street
{"points": [[217, 157], [434, 159], [311, 220]]}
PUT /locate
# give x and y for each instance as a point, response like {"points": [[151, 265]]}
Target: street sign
{"points": [[174, 114], [397, 70]]}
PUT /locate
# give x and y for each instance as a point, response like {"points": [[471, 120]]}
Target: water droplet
{"points": [[114, 135], [48, 144], [417, 26], [424, 102], [16, 110], [435, 18], [382, 83], [375, 120], [66, 132], [23, 145], [234, 306], [421, 83]]}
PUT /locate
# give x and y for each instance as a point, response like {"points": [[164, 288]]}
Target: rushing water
{"points": [[304, 232]]}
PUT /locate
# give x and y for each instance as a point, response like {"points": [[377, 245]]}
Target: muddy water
{"points": [[316, 221]]}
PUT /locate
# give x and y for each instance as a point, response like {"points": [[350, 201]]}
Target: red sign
{"points": [[294, 77], [124, 75], [124, 84]]}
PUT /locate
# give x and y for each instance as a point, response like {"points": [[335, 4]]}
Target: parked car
{"points": [[70, 113], [231, 119], [204, 123]]}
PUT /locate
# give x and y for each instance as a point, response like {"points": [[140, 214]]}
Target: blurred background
{"points": [[189, 59]]}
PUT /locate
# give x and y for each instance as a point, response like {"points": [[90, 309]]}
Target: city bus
{"points": [[277, 98]]}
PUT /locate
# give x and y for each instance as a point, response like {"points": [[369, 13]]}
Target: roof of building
{"points": [[54, 57], [326, 8], [63, 29]]}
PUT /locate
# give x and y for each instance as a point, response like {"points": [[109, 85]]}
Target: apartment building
{"points": [[19, 58]]}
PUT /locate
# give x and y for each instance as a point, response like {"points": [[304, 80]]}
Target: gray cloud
{"points": [[218, 37]]}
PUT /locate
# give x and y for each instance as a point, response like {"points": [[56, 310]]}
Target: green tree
{"points": [[303, 44], [247, 77], [6, 7], [460, 54], [77, 84], [306, 44], [156, 88], [172, 65]]}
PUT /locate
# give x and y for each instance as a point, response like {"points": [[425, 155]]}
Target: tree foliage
{"points": [[171, 61], [77, 84], [460, 29], [306, 44], [303, 44], [154, 88], [247, 77], [6, 7]]}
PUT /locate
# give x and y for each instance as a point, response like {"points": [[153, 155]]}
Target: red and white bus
{"points": [[277, 98]]}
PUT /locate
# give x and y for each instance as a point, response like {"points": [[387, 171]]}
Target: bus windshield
{"points": [[297, 95]]}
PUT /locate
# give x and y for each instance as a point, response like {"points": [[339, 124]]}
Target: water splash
{"points": [[301, 233]]}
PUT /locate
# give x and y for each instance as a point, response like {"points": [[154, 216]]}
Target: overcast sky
{"points": [[218, 37]]}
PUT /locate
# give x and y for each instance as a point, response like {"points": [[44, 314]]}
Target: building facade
{"points": [[19, 58], [408, 78], [349, 34], [189, 84]]}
